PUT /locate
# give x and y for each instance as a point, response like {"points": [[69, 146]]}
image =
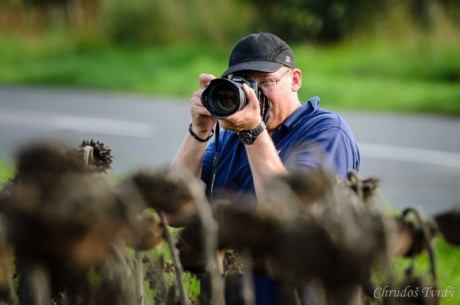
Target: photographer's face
{"points": [[281, 88], [268, 81]]}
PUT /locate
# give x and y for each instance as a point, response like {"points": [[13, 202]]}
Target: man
{"points": [[296, 134]]}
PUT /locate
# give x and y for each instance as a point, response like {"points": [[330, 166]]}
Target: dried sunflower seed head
{"points": [[96, 155], [39, 158], [164, 191], [146, 232], [366, 189], [448, 223]]}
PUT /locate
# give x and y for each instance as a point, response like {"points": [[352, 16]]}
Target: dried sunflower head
{"points": [[96, 155], [50, 157], [164, 191], [366, 189], [448, 223], [52, 191], [146, 232]]}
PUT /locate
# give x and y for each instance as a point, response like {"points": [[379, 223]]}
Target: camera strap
{"points": [[265, 106], [214, 162]]}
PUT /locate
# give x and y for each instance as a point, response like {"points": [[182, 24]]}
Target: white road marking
{"points": [[144, 130], [99, 125], [104, 126], [407, 154]]}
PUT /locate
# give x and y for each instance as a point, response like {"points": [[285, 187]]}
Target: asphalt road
{"points": [[416, 157]]}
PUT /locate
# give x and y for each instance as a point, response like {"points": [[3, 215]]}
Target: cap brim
{"points": [[262, 66]]}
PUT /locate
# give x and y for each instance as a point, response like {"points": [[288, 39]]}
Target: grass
{"points": [[6, 171], [378, 76], [446, 257], [386, 77], [448, 269], [165, 70]]}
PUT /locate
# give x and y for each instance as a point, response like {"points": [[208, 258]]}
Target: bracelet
{"points": [[197, 137]]}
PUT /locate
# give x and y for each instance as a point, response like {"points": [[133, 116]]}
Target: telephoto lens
{"points": [[223, 97]]}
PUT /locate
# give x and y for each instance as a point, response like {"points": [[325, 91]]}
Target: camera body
{"points": [[223, 97]]}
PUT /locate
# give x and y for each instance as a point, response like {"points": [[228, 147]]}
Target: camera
{"points": [[224, 97]]}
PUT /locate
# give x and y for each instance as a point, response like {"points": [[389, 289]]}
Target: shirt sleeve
{"points": [[331, 149], [342, 152]]}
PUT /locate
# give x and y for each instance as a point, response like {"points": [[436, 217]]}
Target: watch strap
{"points": [[249, 136], [258, 129]]}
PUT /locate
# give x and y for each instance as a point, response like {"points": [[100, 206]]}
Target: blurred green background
{"points": [[374, 55], [386, 55]]}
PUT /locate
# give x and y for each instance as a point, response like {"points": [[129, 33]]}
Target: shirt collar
{"points": [[306, 109]]}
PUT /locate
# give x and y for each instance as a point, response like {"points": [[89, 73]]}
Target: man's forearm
{"points": [[264, 161], [190, 155]]}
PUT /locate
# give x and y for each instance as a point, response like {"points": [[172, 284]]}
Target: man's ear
{"points": [[296, 79]]}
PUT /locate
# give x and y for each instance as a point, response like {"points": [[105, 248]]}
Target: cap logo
{"points": [[288, 59]]}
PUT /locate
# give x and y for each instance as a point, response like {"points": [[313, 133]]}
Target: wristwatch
{"points": [[249, 136]]}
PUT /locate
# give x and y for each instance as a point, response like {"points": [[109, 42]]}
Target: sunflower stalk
{"points": [[248, 286], [210, 231], [138, 277], [175, 259]]}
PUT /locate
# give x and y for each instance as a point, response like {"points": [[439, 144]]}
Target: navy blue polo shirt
{"points": [[309, 137]]}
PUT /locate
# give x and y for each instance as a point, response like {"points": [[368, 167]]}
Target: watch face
{"points": [[246, 137]]}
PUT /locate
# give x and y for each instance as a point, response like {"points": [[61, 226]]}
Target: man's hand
{"points": [[202, 121]]}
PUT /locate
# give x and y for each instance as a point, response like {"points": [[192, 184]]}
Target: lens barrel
{"points": [[223, 97]]}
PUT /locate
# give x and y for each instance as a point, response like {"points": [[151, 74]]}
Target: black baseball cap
{"points": [[263, 52]]}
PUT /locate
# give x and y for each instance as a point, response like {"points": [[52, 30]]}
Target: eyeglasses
{"points": [[270, 83]]}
